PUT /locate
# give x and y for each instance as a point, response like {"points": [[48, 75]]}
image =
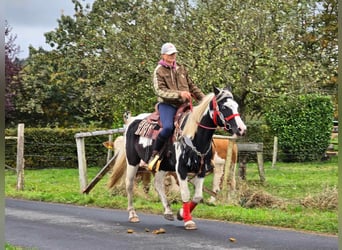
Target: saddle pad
{"points": [[145, 128]]}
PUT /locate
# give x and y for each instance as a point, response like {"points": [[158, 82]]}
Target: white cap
{"points": [[168, 49]]}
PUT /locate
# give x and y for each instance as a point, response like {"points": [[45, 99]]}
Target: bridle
{"points": [[217, 114]]}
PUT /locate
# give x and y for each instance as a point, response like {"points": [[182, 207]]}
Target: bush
{"points": [[303, 125]]}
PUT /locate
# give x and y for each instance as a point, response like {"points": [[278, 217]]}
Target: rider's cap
{"points": [[168, 49]]}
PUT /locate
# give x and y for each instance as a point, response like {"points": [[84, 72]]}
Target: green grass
{"points": [[288, 183], [11, 247]]}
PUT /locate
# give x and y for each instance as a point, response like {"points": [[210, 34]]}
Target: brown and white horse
{"points": [[190, 153]]}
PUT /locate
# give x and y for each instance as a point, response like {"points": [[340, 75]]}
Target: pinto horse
{"points": [[189, 154]]}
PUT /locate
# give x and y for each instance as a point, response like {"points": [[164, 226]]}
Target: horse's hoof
{"points": [[169, 217], [134, 219], [190, 225], [212, 200], [180, 214]]}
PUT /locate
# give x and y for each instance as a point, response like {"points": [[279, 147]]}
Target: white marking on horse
{"points": [[145, 141]]}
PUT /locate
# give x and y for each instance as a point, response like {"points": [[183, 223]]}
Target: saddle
{"points": [[151, 125]]}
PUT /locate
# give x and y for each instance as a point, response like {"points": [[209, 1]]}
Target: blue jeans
{"points": [[167, 113]]}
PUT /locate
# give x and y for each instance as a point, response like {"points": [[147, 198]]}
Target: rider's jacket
{"points": [[169, 81]]}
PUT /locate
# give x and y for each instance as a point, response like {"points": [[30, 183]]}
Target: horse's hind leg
{"points": [[130, 175], [198, 195], [159, 186], [146, 180]]}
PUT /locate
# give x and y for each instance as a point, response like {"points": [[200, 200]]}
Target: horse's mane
{"points": [[195, 116]]}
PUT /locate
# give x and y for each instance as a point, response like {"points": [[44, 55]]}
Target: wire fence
{"points": [[65, 155]]}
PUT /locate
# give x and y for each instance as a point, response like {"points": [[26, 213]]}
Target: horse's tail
{"points": [[119, 166]]}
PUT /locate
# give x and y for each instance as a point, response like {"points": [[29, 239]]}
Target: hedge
{"points": [[303, 125], [55, 148]]}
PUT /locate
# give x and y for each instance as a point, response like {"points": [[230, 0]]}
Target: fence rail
{"points": [[81, 154]]}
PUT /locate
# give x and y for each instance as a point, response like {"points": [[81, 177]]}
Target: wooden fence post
{"points": [[20, 157], [82, 163], [228, 162], [258, 148], [261, 170], [275, 151], [110, 151]]}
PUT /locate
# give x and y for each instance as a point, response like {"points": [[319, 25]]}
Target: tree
{"points": [[255, 46], [100, 65], [326, 37], [12, 69], [103, 57]]}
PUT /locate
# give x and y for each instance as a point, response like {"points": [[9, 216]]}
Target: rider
{"points": [[173, 87]]}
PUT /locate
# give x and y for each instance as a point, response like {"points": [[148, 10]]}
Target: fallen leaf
{"points": [[232, 239]]}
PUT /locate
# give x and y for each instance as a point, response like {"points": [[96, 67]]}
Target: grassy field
{"points": [[301, 196]]}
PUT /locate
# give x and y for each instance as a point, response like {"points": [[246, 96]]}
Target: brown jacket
{"points": [[169, 82]]}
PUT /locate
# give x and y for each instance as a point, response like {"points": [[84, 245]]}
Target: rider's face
{"points": [[170, 59]]}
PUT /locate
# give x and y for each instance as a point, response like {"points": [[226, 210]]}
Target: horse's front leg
{"points": [[130, 175], [188, 206], [160, 188]]}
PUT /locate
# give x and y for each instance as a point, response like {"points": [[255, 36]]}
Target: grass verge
{"points": [[300, 196]]}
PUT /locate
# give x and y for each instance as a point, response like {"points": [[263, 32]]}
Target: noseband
{"points": [[217, 114]]}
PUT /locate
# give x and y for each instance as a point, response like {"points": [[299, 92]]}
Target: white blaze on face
{"points": [[234, 107], [241, 125]]}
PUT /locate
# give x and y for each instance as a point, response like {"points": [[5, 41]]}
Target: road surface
{"points": [[49, 226]]}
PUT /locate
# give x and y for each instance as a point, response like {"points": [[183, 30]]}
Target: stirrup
{"points": [[152, 165]]}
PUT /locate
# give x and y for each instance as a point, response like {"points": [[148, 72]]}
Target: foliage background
{"points": [[103, 56]]}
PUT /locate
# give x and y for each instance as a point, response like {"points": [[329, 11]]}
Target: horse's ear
{"points": [[229, 88], [216, 90]]}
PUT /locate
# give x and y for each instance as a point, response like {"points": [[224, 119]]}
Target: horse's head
{"points": [[126, 116], [225, 112]]}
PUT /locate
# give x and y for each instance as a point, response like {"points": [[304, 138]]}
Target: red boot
{"points": [[188, 223], [180, 214]]}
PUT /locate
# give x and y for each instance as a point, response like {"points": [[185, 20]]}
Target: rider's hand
{"points": [[185, 95]]}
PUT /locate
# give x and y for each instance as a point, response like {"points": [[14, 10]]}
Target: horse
{"points": [[189, 153], [219, 154], [142, 174]]}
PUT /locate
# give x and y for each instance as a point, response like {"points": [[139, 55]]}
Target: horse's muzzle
{"points": [[242, 132]]}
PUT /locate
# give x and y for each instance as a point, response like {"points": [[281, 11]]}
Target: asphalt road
{"points": [[39, 225]]}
